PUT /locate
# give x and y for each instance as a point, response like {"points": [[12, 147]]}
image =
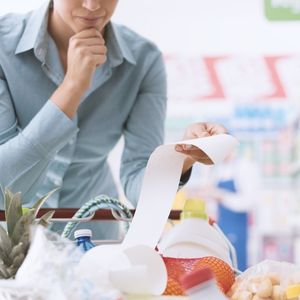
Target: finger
{"points": [[195, 153], [197, 130], [187, 147], [179, 148], [199, 156], [99, 59], [215, 128], [199, 133], [98, 50], [88, 33], [84, 42], [94, 41]]}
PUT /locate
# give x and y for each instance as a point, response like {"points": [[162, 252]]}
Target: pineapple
{"points": [[14, 243]]}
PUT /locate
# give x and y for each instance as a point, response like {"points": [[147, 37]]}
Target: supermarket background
{"points": [[237, 63]]}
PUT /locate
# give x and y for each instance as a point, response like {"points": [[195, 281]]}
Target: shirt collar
{"points": [[35, 30], [118, 47], [34, 37]]}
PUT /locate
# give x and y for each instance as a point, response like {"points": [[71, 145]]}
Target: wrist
{"points": [[72, 88], [187, 164], [67, 97]]}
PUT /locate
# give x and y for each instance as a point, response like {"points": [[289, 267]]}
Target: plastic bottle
{"points": [[293, 292], [200, 284], [194, 237], [83, 239]]}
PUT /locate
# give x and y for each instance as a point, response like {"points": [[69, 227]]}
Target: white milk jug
{"points": [[194, 237]]}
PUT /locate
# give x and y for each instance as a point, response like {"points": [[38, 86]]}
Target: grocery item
{"points": [[83, 239], [193, 244], [268, 280], [176, 267], [264, 287], [200, 284], [15, 241], [194, 237], [293, 292]]}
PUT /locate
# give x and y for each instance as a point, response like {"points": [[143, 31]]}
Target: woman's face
{"points": [[79, 15]]}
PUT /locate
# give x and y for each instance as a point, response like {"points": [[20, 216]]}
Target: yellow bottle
{"points": [[293, 292]]}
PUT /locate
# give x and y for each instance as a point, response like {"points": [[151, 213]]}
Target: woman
{"points": [[71, 84]]}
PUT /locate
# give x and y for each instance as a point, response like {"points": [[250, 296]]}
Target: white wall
{"points": [[208, 25], [18, 5], [191, 25]]}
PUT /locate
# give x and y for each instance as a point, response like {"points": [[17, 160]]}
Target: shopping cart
{"points": [[101, 208], [104, 208]]}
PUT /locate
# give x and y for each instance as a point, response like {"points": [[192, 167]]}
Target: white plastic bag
{"points": [[266, 280], [49, 272]]}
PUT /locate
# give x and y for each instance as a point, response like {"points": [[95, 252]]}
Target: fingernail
{"points": [[187, 147], [178, 148]]}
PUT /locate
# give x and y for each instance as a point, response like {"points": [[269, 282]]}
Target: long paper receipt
{"points": [[134, 267], [160, 185]]}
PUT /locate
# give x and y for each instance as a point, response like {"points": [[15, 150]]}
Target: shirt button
{"points": [[71, 142], [40, 52], [57, 182]]}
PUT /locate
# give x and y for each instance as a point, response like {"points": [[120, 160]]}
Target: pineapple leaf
{"points": [[12, 270], [13, 209], [17, 250], [5, 259], [18, 260], [4, 274], [5, 243], [22, 227], [36, 207], [15, 242], [45, 219], [7, 196]]}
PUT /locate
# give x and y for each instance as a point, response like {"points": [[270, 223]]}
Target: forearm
{"points": [[67, 98], [24, 157], [86, 52], [21, 172]]}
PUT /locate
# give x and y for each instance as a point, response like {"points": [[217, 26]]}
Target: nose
{"points": [[91, 5]]}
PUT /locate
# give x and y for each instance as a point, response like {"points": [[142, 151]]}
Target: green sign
{"points": [[282, 10]]}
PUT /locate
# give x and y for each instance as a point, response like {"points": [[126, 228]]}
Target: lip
{"points": [[90, 20]]}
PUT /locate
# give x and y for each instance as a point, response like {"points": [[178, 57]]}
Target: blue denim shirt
{"points": [[41, 148]]}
